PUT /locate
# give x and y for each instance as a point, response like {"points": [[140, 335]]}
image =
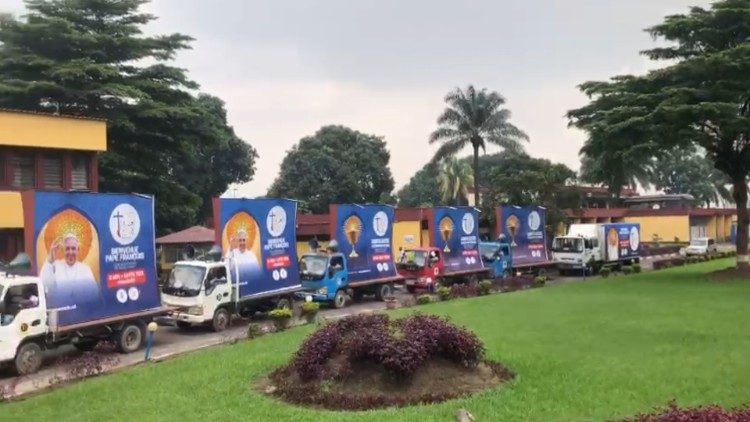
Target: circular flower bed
{"points": [[371, 361]]}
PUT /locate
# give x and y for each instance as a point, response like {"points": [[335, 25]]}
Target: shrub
{"points": [[464, 290], [627, 269], [399, 346], [518, 282], [281, 318], [678, 261], [605, 272], [424, 299], [637, 268], [254, 331], [540, 281], [444, 293], [408, 302], [310, 308], [485, 287]]}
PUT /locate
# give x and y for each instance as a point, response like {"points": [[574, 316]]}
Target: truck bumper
{"points": [[7, 352], [417, 284], [184, 317], [569, 266]]}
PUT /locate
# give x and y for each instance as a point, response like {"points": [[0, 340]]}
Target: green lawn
{"points": [[584, 351]]}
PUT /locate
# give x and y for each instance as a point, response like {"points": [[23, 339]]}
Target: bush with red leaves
{"points": [[699, 414], [401, 347], [459, 290]]}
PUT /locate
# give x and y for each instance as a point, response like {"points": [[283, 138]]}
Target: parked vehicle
{"points": [[522, 243], [701, 246], [257, 273], [593, 246], [359, 260], [453, 255], [88, 275]]}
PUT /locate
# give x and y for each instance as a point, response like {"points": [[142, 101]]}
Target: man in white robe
{"points": [[244, 263], [68, 282]]}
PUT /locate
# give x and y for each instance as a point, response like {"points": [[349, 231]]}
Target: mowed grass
{"points": [[596, 350]]}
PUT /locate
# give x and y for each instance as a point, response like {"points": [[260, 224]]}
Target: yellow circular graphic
{"points": [[69, 224], [242, 226], [446, 228], [353, 229]]}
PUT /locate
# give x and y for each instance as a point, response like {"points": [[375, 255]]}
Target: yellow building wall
{"points": [[711, 227], [38, 130], [406, 234], [11, 210], [728, 227], [719, 228], [667, 227]]}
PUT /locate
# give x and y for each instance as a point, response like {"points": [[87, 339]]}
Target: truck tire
{"points": [[28, 358], [220, 322], [284, 302], [383, 291], [130, 338], [411, 289], [339, 300], [86, 344]]}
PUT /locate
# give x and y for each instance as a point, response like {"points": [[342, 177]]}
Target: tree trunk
{"points": [[476, 176], [740, 199]]}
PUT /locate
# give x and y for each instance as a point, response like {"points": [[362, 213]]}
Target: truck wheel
{"points": [[383, 292], [472, 279], [340, 299], [130, 338], [411, 289], [542, 272], [284, 302], [505, 275], [28, 359], [221, 320], [86, 344]]}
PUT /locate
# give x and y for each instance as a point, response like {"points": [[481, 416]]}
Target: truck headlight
{"points": [[426, 280], [195, 310], [323, 291]]}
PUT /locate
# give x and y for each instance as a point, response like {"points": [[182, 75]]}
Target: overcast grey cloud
{"points": [[285, 68]]}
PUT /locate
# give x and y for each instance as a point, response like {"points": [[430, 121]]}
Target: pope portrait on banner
{"points": [[68, 281]]}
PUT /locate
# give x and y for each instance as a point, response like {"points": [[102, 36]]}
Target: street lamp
{"points": [[152, 327]]}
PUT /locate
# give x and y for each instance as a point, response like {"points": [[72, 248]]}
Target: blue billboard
{"points": [[622, 241], [94, 253], [364, 234], [455, 231], [524, 229], [258, 237]]}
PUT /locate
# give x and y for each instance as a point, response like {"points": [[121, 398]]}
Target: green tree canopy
{"points": [[454, 180], [686, 170], [474, 118], [701, 98], [336, 165], [423, 189], [90, 58]]}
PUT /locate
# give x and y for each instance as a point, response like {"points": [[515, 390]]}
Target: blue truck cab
{"points": [[324, 277], [497, 256]]}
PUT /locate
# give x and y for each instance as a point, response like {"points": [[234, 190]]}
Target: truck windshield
{"points": [[312, 267], [413, 258], [567, 244], [185, 280], [488, 251]]}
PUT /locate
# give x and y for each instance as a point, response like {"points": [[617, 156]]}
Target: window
{"points": [[24, 171], [80, 174], [337, 263], [53, 172]]}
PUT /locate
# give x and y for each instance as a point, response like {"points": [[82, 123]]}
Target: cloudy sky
{"points": [[285, 68]]}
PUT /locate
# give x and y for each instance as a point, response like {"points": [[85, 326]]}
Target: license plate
{"points": [[410, 282]]}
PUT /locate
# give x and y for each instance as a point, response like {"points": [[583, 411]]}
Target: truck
{"points": [[252, 268], [589, 247], [521, 245], [453, 255], [88, 274], [358, 260]]}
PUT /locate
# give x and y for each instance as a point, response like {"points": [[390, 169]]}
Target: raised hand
{"points": [[56, 245], [234, 243]]}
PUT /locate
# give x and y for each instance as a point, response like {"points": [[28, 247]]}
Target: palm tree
{"points": [[454, 180], [474, 118]]}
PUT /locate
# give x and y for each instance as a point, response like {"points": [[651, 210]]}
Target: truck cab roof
{"points": [[7, 280], [199, 263]]}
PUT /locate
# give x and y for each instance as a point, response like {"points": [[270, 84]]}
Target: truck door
{"points": [[23, 308], [218, 288], [336, 272], [435, 263]]}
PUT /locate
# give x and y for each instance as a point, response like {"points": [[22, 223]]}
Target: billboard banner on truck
{"points": [[94, 253], [364, 234], [456, 233], [258, 238], [524, 229], [622, 241]]}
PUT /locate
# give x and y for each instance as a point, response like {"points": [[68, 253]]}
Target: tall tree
{"points": [[701, 98], [686, 171], [336, 165], [616, 165], [89, 58], [475, 118], [422, 190], [454, 180]]}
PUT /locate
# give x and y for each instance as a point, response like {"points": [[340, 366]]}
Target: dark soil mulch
{"points": [[728, 274], [699, 414], [368, 386]]}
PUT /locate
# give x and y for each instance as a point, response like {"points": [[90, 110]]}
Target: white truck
{"points": [[701, 246], [202, 292], [593, 246]]}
